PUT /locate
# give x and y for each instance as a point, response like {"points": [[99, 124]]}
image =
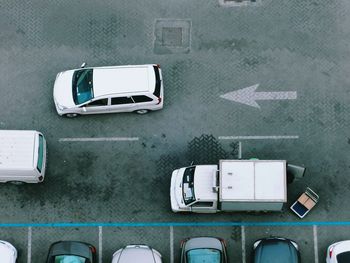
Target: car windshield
{"points": [[343, 257], [69, 259], [82, 86], [203, 255], [188, 185]]}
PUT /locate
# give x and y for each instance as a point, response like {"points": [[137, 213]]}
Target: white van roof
{"points": [[17, 149], [253, 180], [123, 79]]}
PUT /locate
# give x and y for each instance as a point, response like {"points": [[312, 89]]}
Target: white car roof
{"points": [[123, 79], [17, 149]]}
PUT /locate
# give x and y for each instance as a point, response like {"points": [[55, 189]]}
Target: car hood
{"points": [[272, 252], [138, 253], [62, 91]]}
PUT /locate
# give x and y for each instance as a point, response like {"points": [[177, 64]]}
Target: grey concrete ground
{"points": [[206, 49]]}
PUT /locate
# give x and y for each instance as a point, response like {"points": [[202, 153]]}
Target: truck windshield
{"points": [[82, 86], [188, 185], [40, 153]]}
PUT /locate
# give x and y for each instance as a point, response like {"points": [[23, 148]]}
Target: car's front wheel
{"points": [[142, 111], [71, 115]]}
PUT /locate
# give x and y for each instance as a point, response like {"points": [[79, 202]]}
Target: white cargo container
{"points": [[22, 156], [238, 185]]}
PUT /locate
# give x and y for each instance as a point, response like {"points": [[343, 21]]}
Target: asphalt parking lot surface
{"points": [[295, 52]]}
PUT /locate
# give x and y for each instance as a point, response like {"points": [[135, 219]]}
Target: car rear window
{"points": [[158, 82], [343, 257]]}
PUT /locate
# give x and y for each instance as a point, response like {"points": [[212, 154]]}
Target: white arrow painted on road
{"points": [[249, 96]]}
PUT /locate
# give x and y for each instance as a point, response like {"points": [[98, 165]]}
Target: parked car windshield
{"points": [[188, 185], [69, 259], [82, 86], [203, 255]]}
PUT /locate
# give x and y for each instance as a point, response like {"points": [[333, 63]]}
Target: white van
{"points": [[22, 156]]}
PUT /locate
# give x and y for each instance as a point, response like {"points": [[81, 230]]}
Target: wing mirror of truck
{"points": [[191, 163], [83, 65]]}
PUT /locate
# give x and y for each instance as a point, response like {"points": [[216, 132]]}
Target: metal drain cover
{"points": [[172, 36]]}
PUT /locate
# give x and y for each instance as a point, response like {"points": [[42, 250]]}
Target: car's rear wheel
{"points": [[71, 115], [142, 111], [16, 182]]}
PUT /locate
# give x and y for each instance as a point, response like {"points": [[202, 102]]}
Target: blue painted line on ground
{"points": [[174, 224]]}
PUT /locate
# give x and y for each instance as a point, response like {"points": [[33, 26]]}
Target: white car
{"points": [[8, 253], [339, 252], [137, 253], [93, 90]]}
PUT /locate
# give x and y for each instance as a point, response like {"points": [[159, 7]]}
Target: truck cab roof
{"points": [[204, 181]]}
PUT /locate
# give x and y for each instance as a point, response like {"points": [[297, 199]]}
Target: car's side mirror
{"points": [[84, 109], [83, 65]]}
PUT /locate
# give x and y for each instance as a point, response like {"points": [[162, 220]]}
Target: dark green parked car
{"points": [[276, 250]]}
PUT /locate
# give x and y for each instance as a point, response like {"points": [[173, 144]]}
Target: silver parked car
{"points": [[203, 249], [137, 253], [93, 90]]}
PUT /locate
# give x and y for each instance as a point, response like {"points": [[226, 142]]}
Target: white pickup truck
{"points": [[236, 185]]}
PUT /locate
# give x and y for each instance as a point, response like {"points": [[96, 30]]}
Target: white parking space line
{"points": [[239, 150], [100, 238], [243, 244], [29, 246], [101, 139], [315, 243], [171, 244], [272, 137]]}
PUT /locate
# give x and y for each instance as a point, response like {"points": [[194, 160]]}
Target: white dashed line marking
{"points": [[171, 244], [315, 243], [272, 137], [243, 244], [29, 247], [102, 139], [100, 238]]}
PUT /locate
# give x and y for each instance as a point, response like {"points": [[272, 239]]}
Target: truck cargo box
{"points": [[252, 185]]}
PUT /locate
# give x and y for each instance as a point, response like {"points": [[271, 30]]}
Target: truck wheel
{"points": [[141, 111], [71, 115]]}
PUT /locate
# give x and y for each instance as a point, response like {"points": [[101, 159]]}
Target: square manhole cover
{"points": [[238, 2], [172, 36]]}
